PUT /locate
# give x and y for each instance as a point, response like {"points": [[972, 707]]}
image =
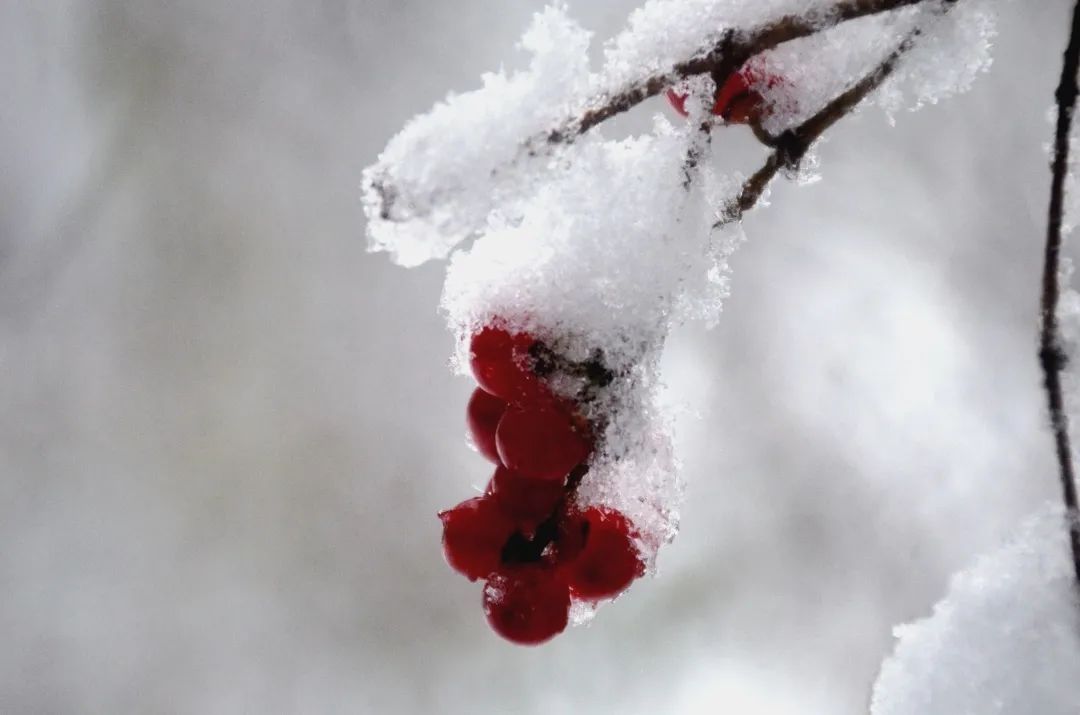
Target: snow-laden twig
{"points": [[727, 56], [1051, 355], [390, 201], [792, 145]]}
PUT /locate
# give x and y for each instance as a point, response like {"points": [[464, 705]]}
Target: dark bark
{"points": [[1052, 357]]}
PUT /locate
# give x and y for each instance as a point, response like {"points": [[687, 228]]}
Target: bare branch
{"points": [[1051, 355]]}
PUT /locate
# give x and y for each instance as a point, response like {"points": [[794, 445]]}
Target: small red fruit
{"points": [[540, 442], [474, 534], [501, 364], [609, 560], [526, 501], [483, 414], [527, 604], [737, 102]]}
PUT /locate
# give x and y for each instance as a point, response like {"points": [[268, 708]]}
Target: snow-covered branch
{"points": [[792, 144], [421, 199], [733, 49]]}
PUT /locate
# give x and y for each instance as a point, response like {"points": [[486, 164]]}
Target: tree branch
{"points": [[1051, 355], [726, 57], [792, 145], [730, 52]]}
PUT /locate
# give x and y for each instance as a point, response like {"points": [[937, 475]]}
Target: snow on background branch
{"points": [[1005, 639]]}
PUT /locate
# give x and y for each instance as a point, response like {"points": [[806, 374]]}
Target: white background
{"points": [[225, 429]]}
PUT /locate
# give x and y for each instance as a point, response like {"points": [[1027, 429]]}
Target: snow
{"points": [[1005, 639], [600, 246], [439, 180], [612, 266], [662, 33], [442, 175]]}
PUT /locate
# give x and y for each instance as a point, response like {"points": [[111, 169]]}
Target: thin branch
{"points": [[726, 57], [792, 145], [1051, 355]]}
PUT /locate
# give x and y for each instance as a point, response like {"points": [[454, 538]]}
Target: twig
{"points": [[792, 145], [732, 49], [1051, 355], [727, 56]]}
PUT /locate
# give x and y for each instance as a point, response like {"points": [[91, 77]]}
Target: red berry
{"points": [[527, 604], [500, 362], [609, 560], [736, 101], [677, 100], [474, 534], [482, 416], [525, 500], [540, 441]]}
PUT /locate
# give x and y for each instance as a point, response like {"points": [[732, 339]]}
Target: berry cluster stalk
{"points": [[1051, 355]]}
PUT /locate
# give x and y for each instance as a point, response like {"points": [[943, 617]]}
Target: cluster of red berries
{"points": [[736, 101], [525, 535]]}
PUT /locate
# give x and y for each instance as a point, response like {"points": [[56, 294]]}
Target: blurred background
{"points": [[225, 429]]}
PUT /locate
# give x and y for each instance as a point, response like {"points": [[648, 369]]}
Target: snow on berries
{"points": [[527, 536], [573, 255]]}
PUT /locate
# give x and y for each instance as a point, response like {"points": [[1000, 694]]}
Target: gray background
{"points": [[225, 429]]}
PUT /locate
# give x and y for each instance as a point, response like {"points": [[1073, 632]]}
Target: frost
{"points": [[950, 52], [440, 177], [662, 33], [1006, 638]]}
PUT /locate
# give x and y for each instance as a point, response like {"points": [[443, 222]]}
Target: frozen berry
{"points": [[474, 533], [609, 561], [540, 441], [737, 101], [527, 604], [500, 362], [525, 500], [482, 415]]}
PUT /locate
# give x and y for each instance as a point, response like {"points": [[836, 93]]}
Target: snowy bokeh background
{"points": [[226, 429]]}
